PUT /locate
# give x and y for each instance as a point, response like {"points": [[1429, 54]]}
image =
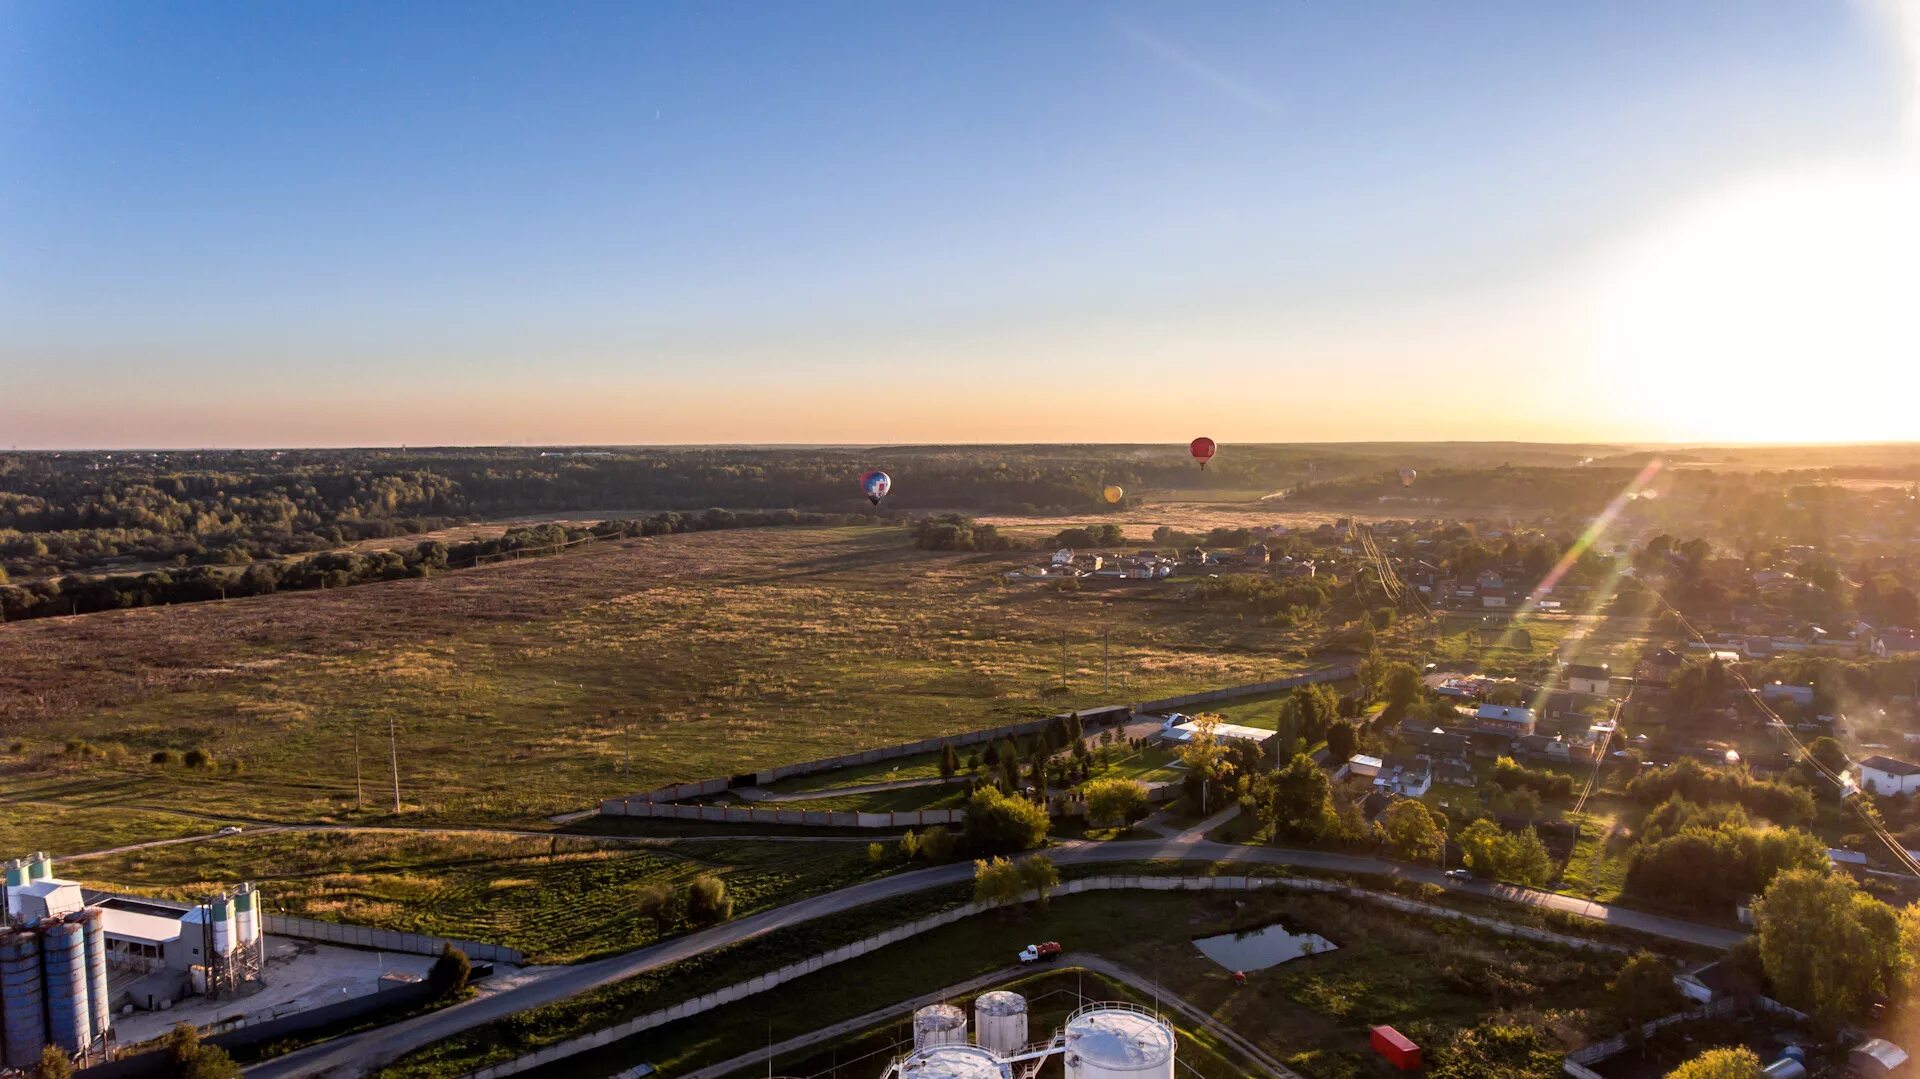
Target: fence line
{"points": [[626, 805], [386, 940], [1576, 1062], [606, 1036]]}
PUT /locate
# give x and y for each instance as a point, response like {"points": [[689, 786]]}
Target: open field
{"points": [[558, 900], [1312, 1013], [529, 688], [1251, 509]]}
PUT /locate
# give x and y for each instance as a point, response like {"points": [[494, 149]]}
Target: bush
{"points": [[198, 758], [164, 758], [936, 843], [450, 972], [708, 901], [191, 1059], [1114, 802], [1000, 823], [658, 904]]}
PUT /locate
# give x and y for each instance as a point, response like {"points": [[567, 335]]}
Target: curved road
{"points": [[357, 1053]]}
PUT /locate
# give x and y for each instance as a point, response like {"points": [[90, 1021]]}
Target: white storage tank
{"points": [[1000, 1021], [1118, 1041], [939, 1024], [221, 915], [246, 916], [953, 1062]]}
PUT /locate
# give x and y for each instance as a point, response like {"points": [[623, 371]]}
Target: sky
{"points": [[247, 224]]}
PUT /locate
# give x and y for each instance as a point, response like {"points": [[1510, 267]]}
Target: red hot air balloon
{"points": [[1202, 449]]}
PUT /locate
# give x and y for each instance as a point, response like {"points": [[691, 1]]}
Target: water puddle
{"points": [[1258, 949]]}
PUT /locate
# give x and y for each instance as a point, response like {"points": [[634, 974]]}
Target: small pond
{"points": [[1258, 949]]}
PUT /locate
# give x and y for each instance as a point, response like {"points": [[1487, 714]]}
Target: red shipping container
{"points": [[1397, 1048]]}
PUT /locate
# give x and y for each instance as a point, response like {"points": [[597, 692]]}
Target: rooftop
{"points": [[1890, 766]]}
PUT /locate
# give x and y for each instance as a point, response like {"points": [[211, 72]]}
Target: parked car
{"points": [[1459, 874], [231, 829], [1040, 953]]}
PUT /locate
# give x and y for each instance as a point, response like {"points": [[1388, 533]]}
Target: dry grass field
{"points": [[529, 688]]}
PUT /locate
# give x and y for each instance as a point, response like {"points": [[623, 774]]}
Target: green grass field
{"points": [[558, 900], [634, 665]]}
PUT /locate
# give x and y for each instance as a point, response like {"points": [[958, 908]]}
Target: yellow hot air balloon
{"points": [[1114, 494]]}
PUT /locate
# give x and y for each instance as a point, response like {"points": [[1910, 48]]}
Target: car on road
{"points": [[1040, 953], [1459, 874], [231, 829]]}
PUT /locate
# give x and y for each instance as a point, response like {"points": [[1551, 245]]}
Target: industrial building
{"points": [[1099, 1041], [67, 963]]}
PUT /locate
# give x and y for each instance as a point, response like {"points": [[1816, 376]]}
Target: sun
{"points": [[1781, 309]]}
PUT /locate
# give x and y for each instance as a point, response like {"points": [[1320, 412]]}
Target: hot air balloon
{"points": [[1202, 449], [1407, 476], [1113, 494], [875, 485]]}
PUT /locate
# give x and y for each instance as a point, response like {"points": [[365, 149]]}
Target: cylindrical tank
{"points": [[221, 915], [16, 878], [1000, 1021], [246, 916], [22, 1015], [41, 867], [953, 1062], [1118, 1041], [99, 1000], [939, 1024], [63, 956]]}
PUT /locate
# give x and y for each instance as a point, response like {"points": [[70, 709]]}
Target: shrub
{"points": [[164, 757], [999, 823], [708, 901], [198, 758], [450, 972]]}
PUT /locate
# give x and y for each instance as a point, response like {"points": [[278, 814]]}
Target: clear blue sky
{"points": [[309, 223]]}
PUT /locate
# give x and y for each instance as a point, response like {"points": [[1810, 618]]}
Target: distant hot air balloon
{"points": [[1407, 477], [1113, 494], [875, 485], [1202, 449]]}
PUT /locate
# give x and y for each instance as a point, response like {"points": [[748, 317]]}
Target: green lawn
{"points": [[1597, 868], [558, 900], [897, 800]]}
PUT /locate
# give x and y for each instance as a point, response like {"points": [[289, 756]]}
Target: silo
{"points": [[939, 1024], [246, 916], [63, 956], [21, 1011], [953, 1062], [221, 915], [16, 878], [1000, 1021], [41, 868], [1118, 1041], [99, 1000]]}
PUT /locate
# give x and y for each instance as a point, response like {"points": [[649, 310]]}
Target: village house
{"points": [[1407, 776], [1591, 679], [1886, 776], [1505, 719]]}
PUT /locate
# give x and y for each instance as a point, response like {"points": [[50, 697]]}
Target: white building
{"points": [[1885, 775]]}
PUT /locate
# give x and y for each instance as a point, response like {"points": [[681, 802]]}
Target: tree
{"points": [[1828, 947], [909, 846], [1038, 875], [708, 901], [1296, 802], [54, 1064], [1402, 684], [1516, 857], [998, 823], [189, 1058], [949, 761], [997, 882], [1828, 754], [1736, 1063], [876, 852], [1202, 753], [1412, 831], [1340, 741], [936, 843], [1643, 990], [1114, 802], [450, 972]]}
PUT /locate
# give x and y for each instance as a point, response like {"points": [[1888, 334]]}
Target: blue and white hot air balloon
{"points": [[875, 485]]}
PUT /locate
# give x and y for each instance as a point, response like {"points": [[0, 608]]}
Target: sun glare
{"points": [[1782, 309]]}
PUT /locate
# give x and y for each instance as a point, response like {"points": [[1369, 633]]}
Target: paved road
{"points": [[356, 1053]]}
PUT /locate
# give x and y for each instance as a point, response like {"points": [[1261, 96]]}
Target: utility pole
{"points": [[1106, 662], [1063, 659], [393, 748], [359, 793], [626, 749]]}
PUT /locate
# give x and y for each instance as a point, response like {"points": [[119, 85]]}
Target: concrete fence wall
{"points": [[386, 940], [1576, 1063], [792, 818], [1092, 717], [800, 969]]}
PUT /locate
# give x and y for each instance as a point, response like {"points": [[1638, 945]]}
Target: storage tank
{"points": [[41, 868], [221, 915], [16, 878], [99, 997], [246, 915], [63, 956], [22, 1016], [939, 1024], [1000, 1021], [1118, 1041], [953, 1062]]}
